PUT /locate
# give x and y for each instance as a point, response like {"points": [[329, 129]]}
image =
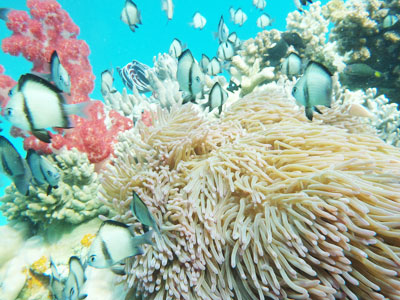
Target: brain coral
{"points": [[74, 201], [259, 204]]}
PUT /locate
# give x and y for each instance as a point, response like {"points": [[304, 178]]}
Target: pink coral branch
{"points": [[49, 28]]}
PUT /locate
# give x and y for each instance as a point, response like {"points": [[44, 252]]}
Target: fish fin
{"points": [[42, 135], [164, 5], [147, 237], [49, 187], [79, 109], [21, 184], [139, 251], [309, 113], [118, 269], [45, 76], [38, 79], [145, 228], [3, 13], [317, 110], [83, 296]]}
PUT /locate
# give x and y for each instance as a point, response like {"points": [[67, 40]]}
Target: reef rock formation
{"points": [[74, 201]]}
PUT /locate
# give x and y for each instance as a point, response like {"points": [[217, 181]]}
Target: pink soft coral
{"points": [[49, 29]]}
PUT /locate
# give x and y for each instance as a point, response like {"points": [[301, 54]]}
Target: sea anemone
{"points": [[260, 203]]}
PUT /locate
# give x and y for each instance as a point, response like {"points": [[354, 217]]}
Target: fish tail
{"points": [[3, 13], [79, 109], [22, 184], [309, 113], [147, 237]]}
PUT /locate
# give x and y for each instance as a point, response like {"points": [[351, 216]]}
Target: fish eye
{"points": [[197, 78], [92, 258], [294, 89], [10, 92], [9, 111]]}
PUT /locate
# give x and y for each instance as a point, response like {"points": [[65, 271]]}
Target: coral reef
{"points": [[259, 203], [306, 35], [252, 65], [25, 265], [6, 83], [50, 28], [73, 202], [313, 29], [361, 37]]}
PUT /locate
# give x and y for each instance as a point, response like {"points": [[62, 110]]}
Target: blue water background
{"points": [[113, 44]]}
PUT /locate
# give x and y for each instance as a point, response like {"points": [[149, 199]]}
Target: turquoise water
{"points": [[113, 44]]}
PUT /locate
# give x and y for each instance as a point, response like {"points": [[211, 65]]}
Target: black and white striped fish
{"points": [[59, 75], [189, 75], [223, 31], [204, 62], [134, 74], [216, 98], [75, 280], [35, 104], [114, 242], [130, 15], [14, 166], [43, 171], [313, 88]]}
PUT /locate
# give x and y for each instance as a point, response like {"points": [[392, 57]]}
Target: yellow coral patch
{"points": [[33, 282], [41, 265], [87, 239]]}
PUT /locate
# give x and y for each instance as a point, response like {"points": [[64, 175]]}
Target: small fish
{"points": [[198, 21], [59, 75], [56, 286], [130, 15], [204, 62], [361, 70], [216, 98], [264, 20], [238, 16], [75, 280], [277, 51], [14, 166], [389, 21], [291, 66], [134, 74], [35, 104], [43, 171], [142, 213], [313, 88], [214, 67], [114, 242], [233, 86], [299, 4], [223, 31], [260, 4], [293, 38], [189, 74], [168, 7], [225, 51], [233, 38], [176, 48], [3, 13], [107, 81]]}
